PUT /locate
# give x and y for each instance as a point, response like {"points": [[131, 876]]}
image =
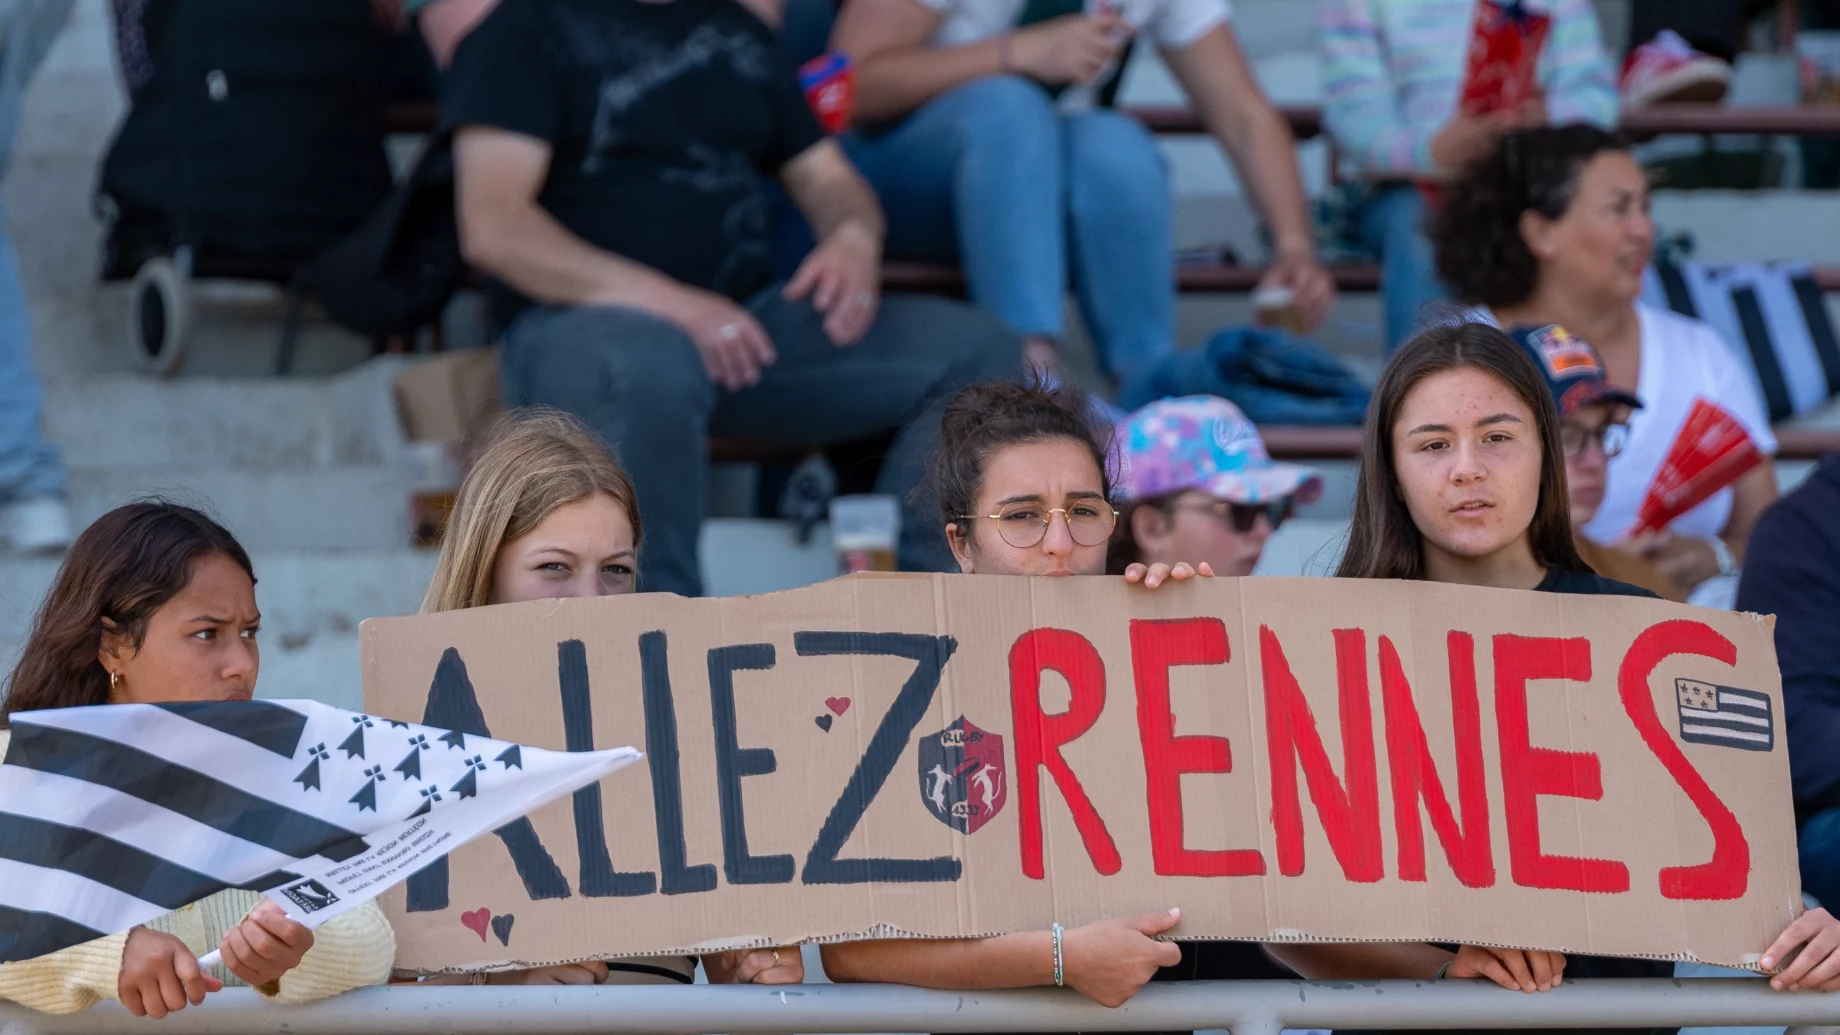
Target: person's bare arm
{"points": [[506, 233], [896, 70], [1107, 961], [445, 23], [842, 276], [1219, 81], [832, 195], [1522, 970]]}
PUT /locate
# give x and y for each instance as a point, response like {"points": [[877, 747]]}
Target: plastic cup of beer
{"points": [[1277, 307], [864, 531]]}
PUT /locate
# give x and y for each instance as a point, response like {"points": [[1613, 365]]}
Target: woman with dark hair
{"points": [[1462, 480], [156, 603], [1552, 227]]}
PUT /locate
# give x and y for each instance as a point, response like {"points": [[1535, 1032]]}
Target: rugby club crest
{"points": [[963, 780]]}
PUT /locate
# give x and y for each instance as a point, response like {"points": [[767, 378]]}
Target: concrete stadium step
{"points": [[129, 421], [328, 508]]}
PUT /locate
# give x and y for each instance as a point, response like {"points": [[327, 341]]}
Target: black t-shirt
{"points": [[1589, 583], [662, 116]]}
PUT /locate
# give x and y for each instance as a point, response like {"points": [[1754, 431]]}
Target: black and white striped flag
{"points": [[115, 814]]}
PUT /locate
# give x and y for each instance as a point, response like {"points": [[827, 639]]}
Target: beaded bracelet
{"points": [[1059, 972]]}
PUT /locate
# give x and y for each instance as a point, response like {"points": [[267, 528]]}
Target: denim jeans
{"points": [[1029, 200], [29, 466], [1391, 224], [640, 382]]}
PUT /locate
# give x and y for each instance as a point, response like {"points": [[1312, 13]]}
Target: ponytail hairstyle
{"points": [[1383, 543], [986, 417], [122, 569]]}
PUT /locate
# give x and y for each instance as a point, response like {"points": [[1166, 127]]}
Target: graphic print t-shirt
{"points": [[663, 117]]}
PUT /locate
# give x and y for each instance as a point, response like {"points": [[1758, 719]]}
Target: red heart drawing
{"points": [[838, 705], [477, 920]]}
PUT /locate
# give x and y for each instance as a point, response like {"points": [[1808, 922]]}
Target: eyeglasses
{"points": [[1574, 438], [1244, 516], [1024, 525]]}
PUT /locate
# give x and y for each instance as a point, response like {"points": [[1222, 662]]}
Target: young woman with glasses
{"points": [[1197, 485]]}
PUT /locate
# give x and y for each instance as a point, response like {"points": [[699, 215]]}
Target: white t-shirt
{"points": [[1171, 24], [1683, 360]]}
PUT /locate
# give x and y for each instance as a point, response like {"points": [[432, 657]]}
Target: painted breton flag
{"points": [[1724, 715], [115, 814]]}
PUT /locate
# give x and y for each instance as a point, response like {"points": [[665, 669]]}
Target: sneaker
{"points": [[1667, 70], [36, 524]]}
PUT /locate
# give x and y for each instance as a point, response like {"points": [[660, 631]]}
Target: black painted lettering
{"points": [[452, 705], [929, 654], [734, 762], [598, 877], [675, 875]]}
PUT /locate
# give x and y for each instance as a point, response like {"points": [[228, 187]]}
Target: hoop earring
{"points": [[114, 681]]}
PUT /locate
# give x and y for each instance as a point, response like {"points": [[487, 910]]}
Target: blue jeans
{"points": [[29, 466], [1392, 225], [1818, 845], [640, 382], [1028, 200]]}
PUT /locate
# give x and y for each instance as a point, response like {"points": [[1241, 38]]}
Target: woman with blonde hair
{"points": [[547, 512]]}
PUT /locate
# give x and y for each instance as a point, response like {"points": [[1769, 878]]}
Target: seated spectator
{"points": [[1793, 572], [121, 625], [1198, 486], [1593, 425], [546, 514], [1552, 227], [985, 126], [1393, 73], [615, 190]]}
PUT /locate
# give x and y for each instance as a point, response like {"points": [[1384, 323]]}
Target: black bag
{"points": [[255, 129], [397, 271]]}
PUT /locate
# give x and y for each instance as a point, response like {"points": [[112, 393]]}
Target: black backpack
{"points": [[397, 271], [255, 128]]}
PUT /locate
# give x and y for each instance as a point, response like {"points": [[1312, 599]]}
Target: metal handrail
{"points": [[1244, 1007]]}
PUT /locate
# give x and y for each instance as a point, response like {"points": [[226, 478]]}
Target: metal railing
{"points": [[1244, 1007]]}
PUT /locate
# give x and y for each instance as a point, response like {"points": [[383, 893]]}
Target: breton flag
{"points": [[112, 815]]}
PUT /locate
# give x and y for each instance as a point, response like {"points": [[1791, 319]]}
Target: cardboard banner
{"points": [[1285, 759]]}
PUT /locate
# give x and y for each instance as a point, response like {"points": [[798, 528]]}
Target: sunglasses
{"points": [[1242, 517]]}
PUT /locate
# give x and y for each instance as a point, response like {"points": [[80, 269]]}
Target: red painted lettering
{"points": [[1155, 647], [1350, 814], [1040, 737], [1528, 772], [1727, 874], [1415, 775]]}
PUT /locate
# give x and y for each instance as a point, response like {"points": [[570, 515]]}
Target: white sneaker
{"points": [[36, 524]]}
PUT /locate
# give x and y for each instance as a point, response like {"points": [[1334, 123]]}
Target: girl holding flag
{"points": [[155, 603]]}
